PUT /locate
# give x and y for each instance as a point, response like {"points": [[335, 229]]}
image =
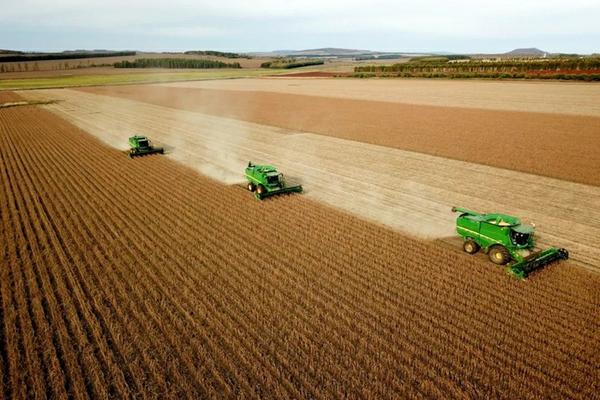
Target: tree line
{"points": [[473, 66], [175, 63], [216, 54], [63, 56], [287, 63]]}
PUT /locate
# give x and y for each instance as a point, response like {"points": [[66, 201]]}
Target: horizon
{"points": [[431, 26], [242, 52]]}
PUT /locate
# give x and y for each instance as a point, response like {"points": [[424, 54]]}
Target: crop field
{"points": [[542, 142], [162, 277], [545, 97], [102, 76], [404, 190]]}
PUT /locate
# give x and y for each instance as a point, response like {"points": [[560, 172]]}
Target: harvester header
{"points": [[506, 241]]}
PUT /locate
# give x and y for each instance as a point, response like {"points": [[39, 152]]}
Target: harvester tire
{"points": [[260, 189], [251, 187], [499, 255], [470, 247], [563, 253]]}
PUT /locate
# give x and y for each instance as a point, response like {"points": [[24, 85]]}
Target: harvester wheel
{"points": [[251, 187], [499, 255], [260, 189], [563, 253], [470, 246]]}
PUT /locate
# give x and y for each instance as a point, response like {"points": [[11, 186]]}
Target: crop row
{"points": [[143, 278]]}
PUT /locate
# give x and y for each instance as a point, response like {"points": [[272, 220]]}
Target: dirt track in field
{"points": [[409, 192], [139, 277], [555, 145]]}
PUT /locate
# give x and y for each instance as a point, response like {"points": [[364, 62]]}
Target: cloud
{"points": [[233, 23]]}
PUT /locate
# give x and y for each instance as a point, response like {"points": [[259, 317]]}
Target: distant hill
{"points": [[2, 52], [526, 52], [95, 51], [331, 52], [321, 52]]}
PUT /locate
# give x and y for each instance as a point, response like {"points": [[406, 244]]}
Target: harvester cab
{"points": [[265, 181], [141, 146], [506, 241]]}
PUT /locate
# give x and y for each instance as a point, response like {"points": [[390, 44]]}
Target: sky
{"points": [[461, 26]]}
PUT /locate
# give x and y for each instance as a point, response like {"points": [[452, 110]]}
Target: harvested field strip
{"points": [[407, 191], [546, 97], [554, 145], [163, 293], [102, 76]]}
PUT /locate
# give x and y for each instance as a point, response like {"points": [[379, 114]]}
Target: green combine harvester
{"points": [[141, 146], [265, 181], [505, 240]]}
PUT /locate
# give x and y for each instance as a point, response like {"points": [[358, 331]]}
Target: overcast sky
{"points": [[262, 25]]}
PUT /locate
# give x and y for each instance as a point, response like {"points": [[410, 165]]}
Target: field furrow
{"points": [[158, 256], [126, 228], [35, 246], [142, 278], [127, 291], [22, 266], [70, 297], [234, 239], [71, 240]]}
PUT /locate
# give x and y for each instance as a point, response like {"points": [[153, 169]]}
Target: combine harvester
{"points": [[141, 146], [265, 181], [505, 240]]}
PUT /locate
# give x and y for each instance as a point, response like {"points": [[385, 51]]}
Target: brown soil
{"points": [[9, 97], [313, 74], [554, 145], [86, 71], [139, 277], [574, 98]]}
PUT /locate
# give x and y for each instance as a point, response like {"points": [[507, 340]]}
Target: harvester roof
{"points": [[138, 137], [265, 169]]}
